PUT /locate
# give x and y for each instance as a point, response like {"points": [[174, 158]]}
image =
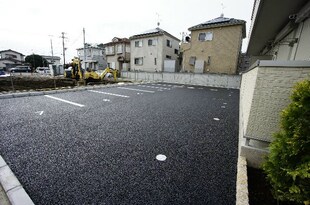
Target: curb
{"points": [[12, 187], [242, 193], [75, 89]]}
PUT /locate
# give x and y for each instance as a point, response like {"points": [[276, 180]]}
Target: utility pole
{"points": [[52, 49], [84, 59], [63, 47]]}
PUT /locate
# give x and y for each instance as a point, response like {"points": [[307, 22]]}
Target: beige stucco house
{"points": [[214, 46], [118, 53], [151, 48], [10, 59]]}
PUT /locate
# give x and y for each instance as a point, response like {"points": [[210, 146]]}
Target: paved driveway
{"points": [[100, 146]]}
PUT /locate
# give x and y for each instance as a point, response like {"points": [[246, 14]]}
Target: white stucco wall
{"points": [[149, 53], [296, 51], [247, 88], [18, 56], [265, 91], [212, 80]]}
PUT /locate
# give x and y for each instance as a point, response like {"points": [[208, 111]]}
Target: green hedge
{"points": [[288, 164]]}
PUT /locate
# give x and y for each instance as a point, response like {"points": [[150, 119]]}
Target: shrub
{"points": [[288, 164]]}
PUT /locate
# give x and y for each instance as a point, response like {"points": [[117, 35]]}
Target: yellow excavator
{"points": [[90, 75]]}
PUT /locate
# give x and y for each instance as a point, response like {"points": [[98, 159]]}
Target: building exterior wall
{"points": [[212, 80], [10, 59], [285, 50], [149, 53], [12, 54], [248, 83], [7, 64], [95, 58], [112, 57], [303, 51], [265, 91], [220, 54]]}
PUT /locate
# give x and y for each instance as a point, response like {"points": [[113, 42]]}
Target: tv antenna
{"points": [[158, 20], [223, 7]]}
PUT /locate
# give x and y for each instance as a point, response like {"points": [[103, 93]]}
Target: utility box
{"points": [[199, 66]]}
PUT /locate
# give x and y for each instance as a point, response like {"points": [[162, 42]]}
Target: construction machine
{"points": [[90, 75]]}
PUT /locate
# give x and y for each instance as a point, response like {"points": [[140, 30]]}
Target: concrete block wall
{"points": [[265, 91], [271, 95], [212, 80]]}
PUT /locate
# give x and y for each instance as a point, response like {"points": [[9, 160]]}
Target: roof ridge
{"points": [[217, 22]]}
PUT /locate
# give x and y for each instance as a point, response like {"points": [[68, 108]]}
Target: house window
{"points": [[138, 43], [176, 51], [192, 60], [139, 61], [169, 43], [207, 36], [119, 48], [151, 42], [168, 57], [110, 50]]}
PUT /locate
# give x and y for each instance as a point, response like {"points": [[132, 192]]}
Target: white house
{"points": [[95, 57], [279, 49], [10, 59], [151, 48], [280, 35]]}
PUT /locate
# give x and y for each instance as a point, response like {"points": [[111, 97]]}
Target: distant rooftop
{"points": [[152, 32], [117, 40], [220, 22], [9, 50]]}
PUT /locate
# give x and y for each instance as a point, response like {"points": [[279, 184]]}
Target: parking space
{"points": [[153, 143]]}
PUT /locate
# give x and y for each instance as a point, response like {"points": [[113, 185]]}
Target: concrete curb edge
{"points": [[12, 187], [242, 193]]}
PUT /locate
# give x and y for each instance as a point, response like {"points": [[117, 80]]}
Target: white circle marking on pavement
{"points": [[161, 157]]}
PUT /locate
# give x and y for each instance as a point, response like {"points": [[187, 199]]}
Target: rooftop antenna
{"points": [[223, 7], [158, 20]]}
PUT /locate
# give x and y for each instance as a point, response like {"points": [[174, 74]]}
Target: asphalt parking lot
{"points": [[100, 146]]}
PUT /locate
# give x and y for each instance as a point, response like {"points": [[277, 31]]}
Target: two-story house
{"points": [[95, 57], [10, 59], [214, 46], [151, 48], [118, 53]]}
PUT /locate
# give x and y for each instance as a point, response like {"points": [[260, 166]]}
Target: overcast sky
{"points": [[28, 26]]}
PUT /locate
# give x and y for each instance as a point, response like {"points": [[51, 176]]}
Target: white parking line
{"points": [[147, 91], [95, 91], [66, 101]]}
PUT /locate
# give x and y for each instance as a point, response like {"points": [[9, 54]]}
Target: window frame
{"points": [[208, 36], [138, 44], [169, 43], [138, 61]]}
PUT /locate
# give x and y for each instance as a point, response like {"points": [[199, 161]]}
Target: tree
{"points": [[36, 61], [288, 164]]}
